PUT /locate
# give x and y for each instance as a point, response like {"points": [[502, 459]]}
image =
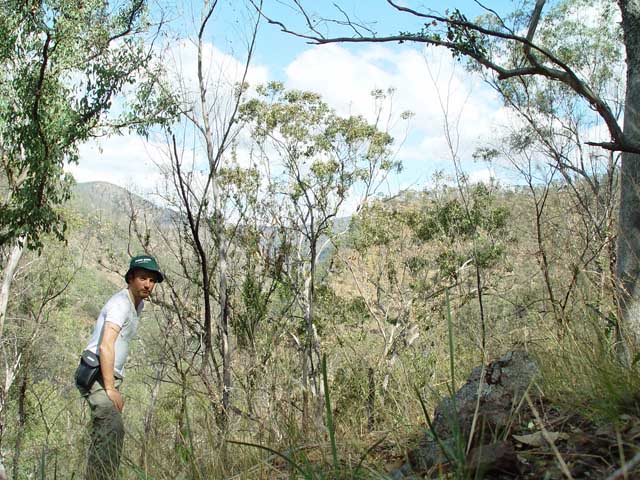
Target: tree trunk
{"points": [[22, 421], [628, 248], [307, 361], [214, 157], [9, 377], [311, 343], [223, 322], [7, 277], [311, 366], [181, 432], [309, 327]]}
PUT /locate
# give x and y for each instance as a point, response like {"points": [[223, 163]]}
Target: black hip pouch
{"points": [[88, 371]]}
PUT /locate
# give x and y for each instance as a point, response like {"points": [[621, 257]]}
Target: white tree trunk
{"points": [[628, 248], [7, 277]]}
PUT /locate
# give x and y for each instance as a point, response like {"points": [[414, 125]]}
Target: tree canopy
{"points": [[58, 79]]}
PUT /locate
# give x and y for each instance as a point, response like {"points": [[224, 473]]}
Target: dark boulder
{"points": [[487, 405]]}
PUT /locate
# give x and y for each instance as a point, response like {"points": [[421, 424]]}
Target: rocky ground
{"points": [[517, 433]]}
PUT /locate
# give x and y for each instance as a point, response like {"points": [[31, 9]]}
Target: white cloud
{"points": [[127, 161], [222, 71], [482, 176], [430, 84], [424, 83]]}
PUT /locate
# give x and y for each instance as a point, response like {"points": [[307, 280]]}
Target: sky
{"points": [[426, 82]]}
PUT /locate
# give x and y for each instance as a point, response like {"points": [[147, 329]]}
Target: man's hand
{"points": [[116, 398]]}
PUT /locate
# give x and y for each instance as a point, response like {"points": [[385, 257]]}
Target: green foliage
{"points": [[316, 160], [323, 155], [456, 222], [585, 36], [592, 46], [453, 31], [401, 251], [267, 393], [255, 303], [334, 310], [449, 262], [57, 81], [374, 226]]}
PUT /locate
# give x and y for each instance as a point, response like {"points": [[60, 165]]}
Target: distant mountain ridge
{"points": [[102, 199], [112, 203]]}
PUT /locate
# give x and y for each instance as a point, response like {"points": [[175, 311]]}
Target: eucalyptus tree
{"points": [[548, 135], [317, 160], [204, 181], [388, 268], [40, 296], [58, 80], [477, 41], [57, 84]]}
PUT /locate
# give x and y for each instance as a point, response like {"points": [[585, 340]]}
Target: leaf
{"points": [[537, 439]]}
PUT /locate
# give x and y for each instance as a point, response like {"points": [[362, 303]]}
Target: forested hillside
{"points": [[316, 321], [381, 319]]}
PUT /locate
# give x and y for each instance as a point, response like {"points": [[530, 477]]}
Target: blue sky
{"points": [[425, 82], [375, 14]]}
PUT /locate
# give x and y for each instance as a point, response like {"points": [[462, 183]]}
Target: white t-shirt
{"points": [[120, 311]]}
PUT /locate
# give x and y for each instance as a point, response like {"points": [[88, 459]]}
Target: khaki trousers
{"points": [[107, 434]]}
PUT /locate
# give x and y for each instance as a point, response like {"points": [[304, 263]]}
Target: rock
{"points": [[500, 389], [403, 473], [503, 383], [428, 455], [498, 457]]}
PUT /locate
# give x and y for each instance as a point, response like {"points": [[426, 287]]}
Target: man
{"points": [[114, 329]]}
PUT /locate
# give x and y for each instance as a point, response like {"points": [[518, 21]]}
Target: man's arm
{"points": [[107, 360]]}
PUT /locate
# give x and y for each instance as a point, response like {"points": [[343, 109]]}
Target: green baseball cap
{"points": [[147, 262]]}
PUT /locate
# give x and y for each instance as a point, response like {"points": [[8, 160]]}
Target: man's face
{"points": [[142, 283]]}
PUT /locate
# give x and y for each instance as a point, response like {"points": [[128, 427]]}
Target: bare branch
{"points": [[135, 11], [484, 7], [559, 70], [306, 17], [410, 10], [205, 19], [535, 19], [351, 24], [533, 26]]}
